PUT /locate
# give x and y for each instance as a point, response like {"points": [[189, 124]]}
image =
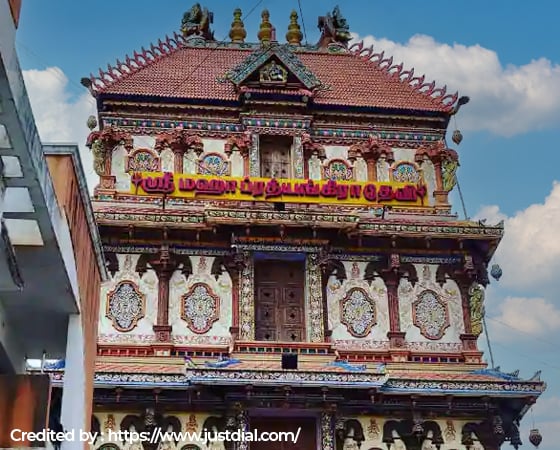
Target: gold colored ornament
{"points": [[265, 29], [237, 32], [294, 34], [110, 423]]}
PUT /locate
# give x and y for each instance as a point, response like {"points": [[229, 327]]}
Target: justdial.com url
{"points": [[158, 435]]}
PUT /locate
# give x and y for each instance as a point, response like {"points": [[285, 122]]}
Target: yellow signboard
{"points": [[272, 190]]}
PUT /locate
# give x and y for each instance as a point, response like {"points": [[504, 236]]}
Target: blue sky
{"points": [[504, 57]]}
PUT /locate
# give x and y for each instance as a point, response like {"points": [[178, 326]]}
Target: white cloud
{"points": [[59, 116], [530, 250], [505, 100], [491, 213], [534, 316]]}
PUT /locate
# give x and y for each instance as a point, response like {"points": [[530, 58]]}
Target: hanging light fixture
{"points": [[496, 272], [457, 137], [535, 437]]}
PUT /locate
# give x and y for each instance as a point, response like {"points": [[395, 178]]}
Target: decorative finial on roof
{"points": [[237, 32], [265, 30], [196, 22], [334, 30], [294, 34]]}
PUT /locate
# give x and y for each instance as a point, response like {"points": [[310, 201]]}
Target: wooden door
{"points": [[275, 154], [279, 288], [307, 438]]}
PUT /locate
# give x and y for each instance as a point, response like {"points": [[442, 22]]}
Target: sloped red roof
{"points": [[357, 78]]}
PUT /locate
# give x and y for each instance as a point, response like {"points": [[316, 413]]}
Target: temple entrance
{"points": [[307, 438], [279, 289]]}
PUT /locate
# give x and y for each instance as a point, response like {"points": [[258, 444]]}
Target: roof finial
{"points": [[265, 30], [294, 34], [237, 32]]}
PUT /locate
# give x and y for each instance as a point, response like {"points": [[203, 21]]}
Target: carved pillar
{"points": [[299, 162], [253, 160], [314, 296], [440, 195], [247, 299], [164, 268], [327, 431], [235, 265], [395, 335], [371, 169], [325, 275]]}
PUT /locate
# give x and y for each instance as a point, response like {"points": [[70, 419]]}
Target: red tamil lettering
{"points": [[385, 193], [246, 186], [299, 189], [311, 189], [355, 191], [342, 191], [257, 188], [272, 189], [329, 189], [187, 184], [370, 192], [231, 186], [406, 194]]}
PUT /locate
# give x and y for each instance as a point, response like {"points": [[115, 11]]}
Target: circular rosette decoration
{"points": [[358, 312], [430, 314], [201, 308], [125, 306]]}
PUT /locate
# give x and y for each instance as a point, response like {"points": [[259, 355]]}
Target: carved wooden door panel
{"points": [[307, 438], [275, 157], [279, 301]]}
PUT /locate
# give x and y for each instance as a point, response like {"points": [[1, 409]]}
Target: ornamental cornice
{"points": [[354, 380], [229, 216], [423, 229], [468, 387]]}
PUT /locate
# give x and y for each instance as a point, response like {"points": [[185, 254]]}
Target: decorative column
{"points": [[439, 155], [298, 159], [247, 299], [163, 265], [180, 142], [327, 431], [371, 169], [102, 144], [314, 296], [164, 268], [235, 265], [254, 159]]}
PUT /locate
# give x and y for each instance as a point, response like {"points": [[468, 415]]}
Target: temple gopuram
{"points": [[282, 251]]}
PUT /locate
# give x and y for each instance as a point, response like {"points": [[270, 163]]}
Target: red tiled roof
{"points": [[357, 78]]}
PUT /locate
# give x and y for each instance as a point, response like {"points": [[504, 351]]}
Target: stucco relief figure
{"points": [[215, 444], [272, 72], [167, 442], [133, 444], [449, 176], [197, 22], [349, 442], [476, 302], [98, 152]]}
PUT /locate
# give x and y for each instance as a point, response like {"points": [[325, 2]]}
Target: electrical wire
{"points": [[302, 22]]}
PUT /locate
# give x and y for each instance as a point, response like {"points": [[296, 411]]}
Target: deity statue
{"points": [[476, 302], [273, 72], [334, 28], [196, 22], [449, 177], [98, 151], [340, 25]]}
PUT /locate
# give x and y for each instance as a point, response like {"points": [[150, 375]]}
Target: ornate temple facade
{"points": [[282, 252]]}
